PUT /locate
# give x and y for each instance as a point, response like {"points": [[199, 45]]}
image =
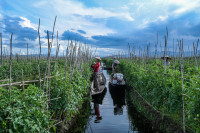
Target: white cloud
{"points": [[72, 7], [74, 15], [1, 16], [143, 24], [153, 11], [2, 25], [22, 53], [107, 51], [182, 6], [26, 23], [162, 18], [185, 5]]}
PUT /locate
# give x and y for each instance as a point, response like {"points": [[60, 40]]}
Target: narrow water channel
{"points": [[115, 115]]}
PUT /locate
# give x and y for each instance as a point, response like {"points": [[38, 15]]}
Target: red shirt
{"points": [[96, 67]]}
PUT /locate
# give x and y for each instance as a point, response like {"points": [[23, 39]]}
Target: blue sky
{"points": [[107, 25]]}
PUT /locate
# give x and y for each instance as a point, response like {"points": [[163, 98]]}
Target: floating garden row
{"points": [[163, 90]]}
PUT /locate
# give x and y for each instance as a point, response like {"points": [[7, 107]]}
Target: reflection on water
{"points": [[97, 99], [109, 114], [118, 97], [111, 108]]}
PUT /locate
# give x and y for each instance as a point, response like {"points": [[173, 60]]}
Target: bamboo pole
{"points": [[39, 41], [165, 60], [39, 53], [1, 49], [67, 51], [156, 48], [183, 91], [129, 51], [10, 65], [53, 29], [49, 71], [22, 79], [27, 52], [31, 81], [57, 51], [39, 75]]}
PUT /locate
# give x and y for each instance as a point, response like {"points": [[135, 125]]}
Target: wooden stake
{"points": [[1, 49], [39, 75], [57, 51], [183, 91], [10, 65], [22, 79], [39, 41], [27, 51]]}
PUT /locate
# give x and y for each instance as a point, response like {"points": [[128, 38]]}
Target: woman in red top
{"points": [[97, 65], [95, 72]]}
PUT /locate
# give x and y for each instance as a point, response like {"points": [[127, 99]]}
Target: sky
{"points": [[108, 25]]}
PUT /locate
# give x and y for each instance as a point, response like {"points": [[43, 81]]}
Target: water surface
{"points": [[115, 115]]}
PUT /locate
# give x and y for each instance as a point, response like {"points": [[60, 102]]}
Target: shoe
{"points": [[99, 118]]}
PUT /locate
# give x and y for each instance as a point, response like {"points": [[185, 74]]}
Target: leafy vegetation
{"points": [[24, 111], [31, 109], [158, 87], [39, 93]]}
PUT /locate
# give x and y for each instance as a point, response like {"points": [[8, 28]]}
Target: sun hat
{"points": [[166, 56], [116, 62], [98, 58]]}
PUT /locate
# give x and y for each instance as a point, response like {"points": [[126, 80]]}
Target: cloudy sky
{"points": [[108, 25]]}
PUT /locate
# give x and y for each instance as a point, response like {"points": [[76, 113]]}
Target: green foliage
{"points": [[30, 69], [25, 111], [70, 93], [156, 87]]}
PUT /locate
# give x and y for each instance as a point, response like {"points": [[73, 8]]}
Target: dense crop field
{"points": [[39, 93], [43, 94], [162, 87]]}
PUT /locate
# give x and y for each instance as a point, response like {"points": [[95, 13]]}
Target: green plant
{"points": [[24, 111]]}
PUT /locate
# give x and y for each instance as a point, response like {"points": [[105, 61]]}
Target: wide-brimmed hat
{"points": [[116, 62], [166, 56], [98, 58]]}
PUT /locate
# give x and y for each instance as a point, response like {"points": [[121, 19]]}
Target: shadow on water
{"points": [[111, 113], [82, 119], [138, 121]]}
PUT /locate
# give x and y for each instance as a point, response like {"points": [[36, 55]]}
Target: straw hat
{"points": [[166, 56], [116, 61], [98, 58]]}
